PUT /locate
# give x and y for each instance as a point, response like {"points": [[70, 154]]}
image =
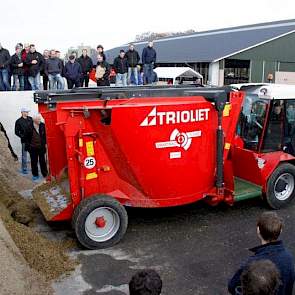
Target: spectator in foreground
{"points": [[100, 51], [260, 278], [121, 69], [145, 282], [22, 126], [86, 64], [43, 74], [149, 57], [53, 70], [4, 69], [133, 60], [36, 146], [25, 52], [102, 72], [17, 66], [73, 72], [35, 61], [269, 228]]}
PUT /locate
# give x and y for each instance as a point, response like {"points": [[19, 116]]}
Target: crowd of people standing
{"points": [[24, 69]]}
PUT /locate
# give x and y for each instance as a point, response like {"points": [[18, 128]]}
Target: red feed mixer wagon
{"points": [[161, 147]]}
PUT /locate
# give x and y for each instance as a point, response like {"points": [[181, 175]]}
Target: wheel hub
{"points": [[284, 186], [100, 222]]}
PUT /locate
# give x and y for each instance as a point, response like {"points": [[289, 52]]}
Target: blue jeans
{"points": [[18, 82], [121, 78], [35, 82], [56, 81], [4, 80], [135, 74], [24, 158], [148, 73]]}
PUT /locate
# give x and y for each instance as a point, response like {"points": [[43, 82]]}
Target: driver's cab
{"points": [[267, 120], [266, 125]]}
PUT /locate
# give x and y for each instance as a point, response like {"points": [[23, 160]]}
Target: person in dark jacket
{"points": [[17, 66], [53, 69], [269, 227], [35, 140], [133, 59], [4, 69], [121, 69], [73, 72], [86, 64], [35, 61], [149, 58], [25, 52], [43, 74], [100, 51], [21, 129], [102, 72]]}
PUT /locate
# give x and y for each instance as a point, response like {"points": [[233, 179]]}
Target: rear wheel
{"points": [[100, 222], [281, 186]]}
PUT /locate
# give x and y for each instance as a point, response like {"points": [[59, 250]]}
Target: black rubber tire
{"points": [[271, 199], [85, 208]]}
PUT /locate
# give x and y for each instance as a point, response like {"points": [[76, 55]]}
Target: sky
{"points": [[60, 24]]}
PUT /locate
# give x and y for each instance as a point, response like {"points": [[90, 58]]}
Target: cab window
{"points": [[252, 119], [289, 144], [274, 134]]}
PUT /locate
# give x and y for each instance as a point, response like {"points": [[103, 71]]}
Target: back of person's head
{"points": [[260, 278], [269, 226], [145, 282]]}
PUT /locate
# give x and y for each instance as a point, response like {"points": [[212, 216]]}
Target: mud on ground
{"points": [[45, 256]]}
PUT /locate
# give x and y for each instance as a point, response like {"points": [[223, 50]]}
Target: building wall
{"points": [[277, 55]]}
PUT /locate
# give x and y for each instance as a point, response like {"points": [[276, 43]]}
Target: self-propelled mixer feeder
{"points": [[156, 147]]}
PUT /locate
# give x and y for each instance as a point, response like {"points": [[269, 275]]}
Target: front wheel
{"points": [[281, 186], [99, 222]]}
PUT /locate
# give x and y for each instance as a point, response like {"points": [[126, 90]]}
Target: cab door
{"points": [[250, 133]]}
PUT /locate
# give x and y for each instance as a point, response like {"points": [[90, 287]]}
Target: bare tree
{"points": [[146, 36]]}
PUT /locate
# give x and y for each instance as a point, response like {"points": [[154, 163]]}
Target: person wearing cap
{"points": [[121, 68], [73, 72], [17, 66], [35, 144], [4, 69], [21, 128]]}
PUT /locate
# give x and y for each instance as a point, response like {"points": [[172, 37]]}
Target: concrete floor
{"points": [[195, 249]]}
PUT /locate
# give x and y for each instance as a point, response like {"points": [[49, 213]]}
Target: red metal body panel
{"points": [[257, 167], [156, 152]]}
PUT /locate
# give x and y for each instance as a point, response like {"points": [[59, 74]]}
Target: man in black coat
{"points": [[102, 72], [149, 58], [4, 69], [73, 72], [17, 67], [86, 64], [35, 142], [121, 68], [34, 61], [269, 227], [22, 125], [133, 59]]}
